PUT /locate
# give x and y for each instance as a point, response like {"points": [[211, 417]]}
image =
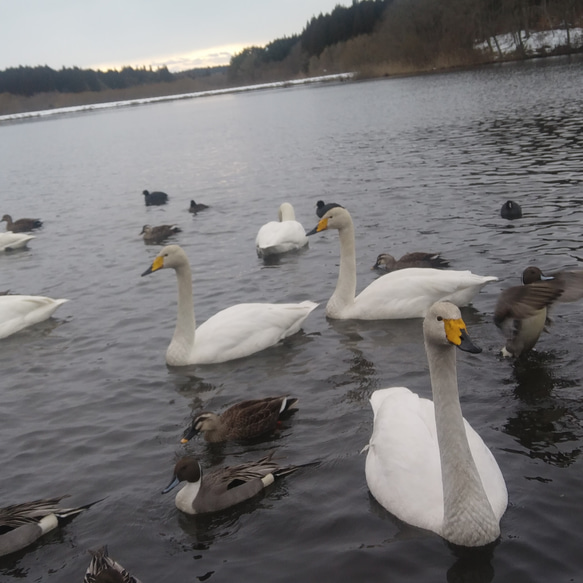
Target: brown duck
{"points": [[21, 225]]}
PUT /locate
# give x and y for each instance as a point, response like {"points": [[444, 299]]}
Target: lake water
{"points": [[89, 407]]}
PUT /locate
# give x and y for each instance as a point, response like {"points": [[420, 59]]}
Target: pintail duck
{"points": [[159, 233], [155, 198], [425, 464], [521, 311], [197, 207], [23, 524], [244, 420], [322, 208], [511, 210], [103, 569], [21, 225], [10, 241], [387, 262], [224, 487], [281, 236], [406, 293]]}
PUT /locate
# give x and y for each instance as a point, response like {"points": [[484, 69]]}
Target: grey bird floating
{"points": [[23, 524], [197, 207], [103, 569], [521, 312], [160, 233], [224, 487], [322, 208], [155, 198], [386, 262], [511, 210], [21, 225], [245, 420]]}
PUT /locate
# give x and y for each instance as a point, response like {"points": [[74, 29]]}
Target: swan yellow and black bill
{"points": [[157, 264], [456, 333], [321, 226]]}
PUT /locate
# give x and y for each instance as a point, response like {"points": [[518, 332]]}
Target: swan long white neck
{"points": [[345, 291], [468, 516], [183, 338]]}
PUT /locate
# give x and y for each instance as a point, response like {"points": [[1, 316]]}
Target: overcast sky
{"points": [[102, 34]]}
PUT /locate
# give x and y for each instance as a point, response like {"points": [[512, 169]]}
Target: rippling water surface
{"points": [[89, 407]]}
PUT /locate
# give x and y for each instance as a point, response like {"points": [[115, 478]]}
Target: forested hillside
{"points": [[369, 37]]}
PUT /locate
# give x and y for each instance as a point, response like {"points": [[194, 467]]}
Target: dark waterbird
{"points": [[155, 198], [322, 208], [386, 262], [158, 234], [21, 225], [197, 207], [511, 210]]}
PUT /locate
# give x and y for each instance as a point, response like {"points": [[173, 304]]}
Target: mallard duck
{"points": [[103, 569], [425, 464], [386, 262], [23, 524], [21, 225], [511, 210], [224, 487], [18, 312], [244, 420], [281, 236], [195, 208], [159, 233], [406, 293], [521, 311], [10, 241], [155, 198], [234, 332], [322, 208]]}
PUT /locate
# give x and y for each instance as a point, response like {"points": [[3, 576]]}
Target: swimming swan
{"points": [[406, 293], [18, 312], [425, 463], [235, 332], [10, 241], [281, 236]]}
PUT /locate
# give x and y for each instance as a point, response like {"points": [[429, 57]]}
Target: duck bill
{"points": [[467, 345], [158, 264], [175, 481], [321, 226], [188, 435]]}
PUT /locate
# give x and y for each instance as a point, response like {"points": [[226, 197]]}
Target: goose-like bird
{"points": [[235, 332], [244, 420], [511, 210], [406, 293], [10, 241], [155, 198], [425, 464], [281, 236], [21, 225], [23, 524], [159, 233], [103, 569], [521, 312], [18, 312], [224, 487], [386, 262], [322, 208], [197, 207]]}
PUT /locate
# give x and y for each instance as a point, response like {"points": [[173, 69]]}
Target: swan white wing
{"points": [[280, 237], [9, 240], [18, 312], [244, 329], [408, 293]]}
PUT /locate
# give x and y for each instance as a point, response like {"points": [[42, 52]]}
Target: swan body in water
{"points": [[235, 332], [406, 293], [18, 312], [281, 236], [425, 463]]}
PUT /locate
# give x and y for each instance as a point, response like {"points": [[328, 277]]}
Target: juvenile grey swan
{"points": [[425, 463], [235, 332]]}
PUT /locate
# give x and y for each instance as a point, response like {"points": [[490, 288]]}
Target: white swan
{"points": [[235, 332], [281, 236], [19, 312], [425, 464], [406, 293], [10, 241]]}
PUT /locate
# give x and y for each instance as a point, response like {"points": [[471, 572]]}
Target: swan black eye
{"points": [[439, 318]]}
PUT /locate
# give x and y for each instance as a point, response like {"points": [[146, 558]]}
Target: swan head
{"points": [[443, 325], [335, 218], [170, 256], [202, 423]]}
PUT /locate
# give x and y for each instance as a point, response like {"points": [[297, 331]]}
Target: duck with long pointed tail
{"points": [[406, 293], [235, 332], [425, 463]]}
